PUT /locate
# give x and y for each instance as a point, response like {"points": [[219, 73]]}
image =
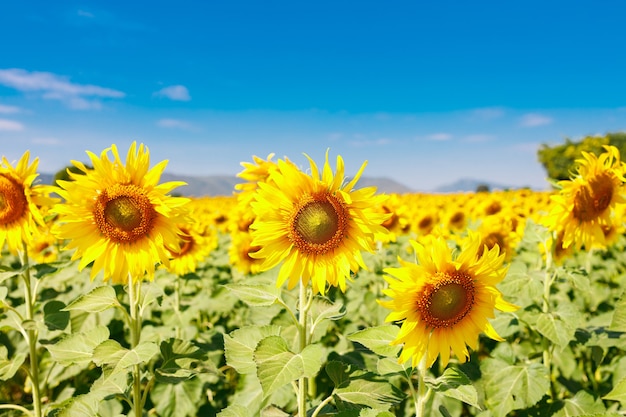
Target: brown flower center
{"points": [[123, 213], [593, 199], [448, 301], [320, 223], [13, 203]]}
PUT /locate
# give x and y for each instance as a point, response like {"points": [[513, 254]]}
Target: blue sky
{"points": [[426, 92]]}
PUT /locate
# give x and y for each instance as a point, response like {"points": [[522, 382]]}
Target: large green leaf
{"points": [[255, 295], [581, 404], [54, 317], [179, 399], [278, 366], [141, 353], [108, 352], [234, 410], [618, 322], [8, 367], [78, 348], [240, 344], [455, 384], [95, 301], [618, 393], [513, 387], [555, 329], [368, 390], [378, 339], [181, 360]]}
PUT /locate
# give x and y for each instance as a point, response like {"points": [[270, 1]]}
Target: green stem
{"points": [[25, 411], [322, 404], [32, 333], [422, 394], [302, 329], [177, 305], [135, 336], [549, 277]]}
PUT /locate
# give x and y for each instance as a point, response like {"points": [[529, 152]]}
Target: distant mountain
{"points": [[224, 185], [470, 185]]}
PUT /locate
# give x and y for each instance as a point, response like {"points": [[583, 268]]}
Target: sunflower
{"points": [[315, 224], [21, 203], [584, 207], [117, 216], [444, 303], [195, 245]]}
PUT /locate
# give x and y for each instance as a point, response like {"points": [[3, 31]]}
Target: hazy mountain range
{"points": [[224, 185]]}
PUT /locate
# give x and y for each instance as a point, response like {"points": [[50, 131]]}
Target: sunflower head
{"points": [[316, 224], [21, 203], [585, 206], [117, 216], [443, 302]]}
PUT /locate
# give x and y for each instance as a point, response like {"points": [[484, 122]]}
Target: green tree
{"points": [[560, 161]]}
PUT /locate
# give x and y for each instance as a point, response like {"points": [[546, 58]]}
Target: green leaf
{"points": [[54, 317], [370, 392], [180, 399], [181, 361], [581, 404], [108, 352], [390, 366], [255, 295], [8, 367], [513, 387], [324, 309], [618, 322], [338, 373], [277, 366], [555, 329], [618, 393], [234, 410], [150, 293], [378, 339], [95, 301], [240, 344], [142, 353], [77, 348], [455, 384]]}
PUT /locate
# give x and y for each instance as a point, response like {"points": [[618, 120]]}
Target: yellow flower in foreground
{"points": [[20, 202], [315, 225], [444, 303], [583, 209], [117, 216]]}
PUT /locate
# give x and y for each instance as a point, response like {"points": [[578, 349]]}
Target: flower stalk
{"points": [[31, 333], [134, 290]]}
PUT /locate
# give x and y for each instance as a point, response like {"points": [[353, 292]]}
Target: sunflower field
{"points": [[303, 294]]}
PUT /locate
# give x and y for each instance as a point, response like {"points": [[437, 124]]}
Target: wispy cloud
{"points": [[174, 124], [174, 92], [85, 13], [374, 142], [487, 113], [440, 137], [46, 141], [10, 125], [335, 136], [534, 120], [55, 87], [9, 109]]}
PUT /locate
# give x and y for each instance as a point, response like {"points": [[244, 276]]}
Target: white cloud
{"points": [[534, 120], [56, 87], [174, 92], [10, 125], [174, 123], [335, 136], [440, 136], [375, 142], [85, 13], [488, 113], [9, 109], [46, 141]]}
